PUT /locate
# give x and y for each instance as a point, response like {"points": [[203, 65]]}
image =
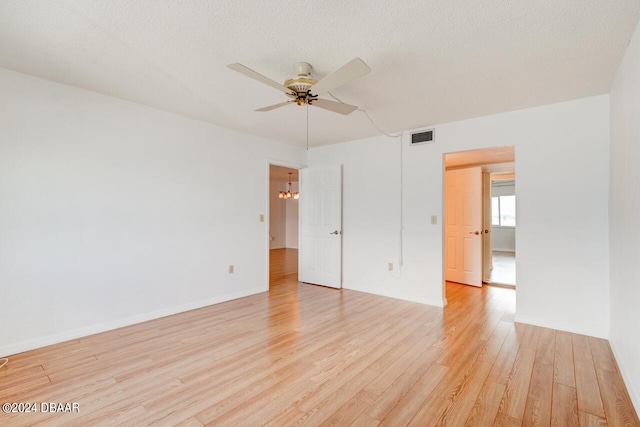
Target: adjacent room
{"points": [[233, 213], [283, 224]]}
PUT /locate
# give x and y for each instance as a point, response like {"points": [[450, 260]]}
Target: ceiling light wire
{"points": [[399, 135], [401, 243], [366, 113]]}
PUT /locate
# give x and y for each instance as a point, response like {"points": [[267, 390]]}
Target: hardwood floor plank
{"points": [[503, 420], [364, 420], [389, 397], [463, 395], [394, 362], [331, 408], [602, 355], [545, 351], [563, 369], [189, 422], [13, 392], [517, 387], [503, 364], [538, 406], [486, 406], [580, 340], [495, 342], [11, 376], [350, 411], [565, 406], [587, 388], [530, 336], [588, 420], [405, 410], [617, 404]]}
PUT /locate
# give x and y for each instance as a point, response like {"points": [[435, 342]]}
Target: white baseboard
{"points": [[560, 326], [632, 388], [46, 340], [428, 301]]}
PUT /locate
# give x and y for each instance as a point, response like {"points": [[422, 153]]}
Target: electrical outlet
{"points": [[390, 266], [231, 269], [261, 218], [434, 219]]}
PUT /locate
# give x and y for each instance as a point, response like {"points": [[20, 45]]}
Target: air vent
{"points": [[422, 137]]}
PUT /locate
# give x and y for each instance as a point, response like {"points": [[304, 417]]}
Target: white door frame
{"points": [[267, 219], [443, 194]]}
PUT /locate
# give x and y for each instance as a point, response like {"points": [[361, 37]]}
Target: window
{"points": [[503, 211]]}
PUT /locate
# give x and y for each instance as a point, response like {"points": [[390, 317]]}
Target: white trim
{"points": [[536, 321], [634, 393], [413, 298], [120, 323], [285, 164]]}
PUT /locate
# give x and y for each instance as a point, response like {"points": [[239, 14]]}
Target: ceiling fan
{"points": [[303, 89]]}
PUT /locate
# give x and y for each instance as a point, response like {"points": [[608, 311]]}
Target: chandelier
{"points": [[288, 194]]}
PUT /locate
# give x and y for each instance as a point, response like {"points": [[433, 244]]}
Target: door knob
{"points": [[335, 232], [477, 233]]}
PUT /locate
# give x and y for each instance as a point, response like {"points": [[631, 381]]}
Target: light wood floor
{"points": [[308, 355], [283, 266]]}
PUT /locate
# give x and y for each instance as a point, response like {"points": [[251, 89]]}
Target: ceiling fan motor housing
{"points": [[301, 84]]}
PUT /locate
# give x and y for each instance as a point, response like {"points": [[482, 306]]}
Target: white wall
{"points": [[625, 217], [563, 285], [503, 239], [112, 213]]}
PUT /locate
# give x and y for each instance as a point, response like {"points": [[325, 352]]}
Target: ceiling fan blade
{"points": [[350, 71], [273, 107], [336, 107], [257, 76]]}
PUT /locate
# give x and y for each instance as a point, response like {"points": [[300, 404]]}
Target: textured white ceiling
{"points": [[432, 61]]}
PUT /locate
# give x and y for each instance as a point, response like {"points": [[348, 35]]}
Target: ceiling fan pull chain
{"points": [[307, 127]]}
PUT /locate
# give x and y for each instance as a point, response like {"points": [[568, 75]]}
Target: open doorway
{"points": [[502, 268], [479, 240], [283, 225]]}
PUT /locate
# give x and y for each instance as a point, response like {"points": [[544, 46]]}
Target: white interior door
{"points": [[320, 253], [463, 233]]}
